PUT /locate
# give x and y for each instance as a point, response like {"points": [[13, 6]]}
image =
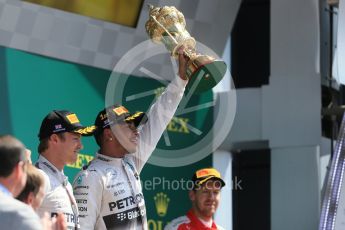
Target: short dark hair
{"points": [[98, 139], [33, 183], [43, 145], [12, 151]]}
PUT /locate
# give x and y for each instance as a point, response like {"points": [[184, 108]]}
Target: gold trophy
{"points": [[167, 25]]}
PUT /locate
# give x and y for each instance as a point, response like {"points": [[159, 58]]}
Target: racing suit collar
{"points": [[107, 159], [197, 223], [44, 163], [124, 161]]}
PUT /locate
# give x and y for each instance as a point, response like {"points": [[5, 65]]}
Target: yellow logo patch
{"points": [[207, 172], [72, 118], [162, 203], [120, 110]]}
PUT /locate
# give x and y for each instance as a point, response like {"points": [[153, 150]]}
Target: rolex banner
{"points": [[34, 85]]}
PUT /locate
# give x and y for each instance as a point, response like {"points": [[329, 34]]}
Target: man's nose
{"points": [[80, 145], [136, 132], [212, 195]]}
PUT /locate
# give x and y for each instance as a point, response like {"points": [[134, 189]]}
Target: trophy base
{"points": [[206, 76]]}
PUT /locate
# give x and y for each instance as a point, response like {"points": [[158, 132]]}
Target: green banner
{"points": [[33, 85]]}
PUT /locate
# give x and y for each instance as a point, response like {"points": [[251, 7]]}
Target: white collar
{"points": [[206, 223], [43, 163], [108, 159]]}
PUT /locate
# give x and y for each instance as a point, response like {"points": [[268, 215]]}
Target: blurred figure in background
{"points": [[28, 156], [34, 189], [33, 194], [13, 213]]}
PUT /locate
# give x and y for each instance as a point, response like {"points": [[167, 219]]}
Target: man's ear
{"points": [[108, 134], [54, 138], [18, 170]]}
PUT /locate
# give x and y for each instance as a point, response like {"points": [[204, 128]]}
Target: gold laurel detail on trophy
{"points": [[167, 25], [167, 16]]}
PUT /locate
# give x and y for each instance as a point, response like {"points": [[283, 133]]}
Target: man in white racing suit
{"points": [[60, 142], [108, 191]]}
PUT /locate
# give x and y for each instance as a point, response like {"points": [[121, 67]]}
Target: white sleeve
{"points": [[159, 116], [87, 189], [170, 227], [175, 223]]}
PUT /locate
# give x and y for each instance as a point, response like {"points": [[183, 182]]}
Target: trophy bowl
{"points": [[167, 25]]}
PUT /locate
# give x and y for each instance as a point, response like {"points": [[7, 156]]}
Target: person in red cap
{"points": [[60, 142], [108, 191], [205, 197]]}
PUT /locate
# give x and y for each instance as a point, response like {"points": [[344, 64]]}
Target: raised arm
{"points": [[160, 114]]}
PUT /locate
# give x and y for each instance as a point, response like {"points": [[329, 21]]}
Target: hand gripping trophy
{"points": [[167, 25]]}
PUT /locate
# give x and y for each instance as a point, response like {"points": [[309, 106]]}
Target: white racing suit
{"points": [[59, 194], [108, 191]]}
